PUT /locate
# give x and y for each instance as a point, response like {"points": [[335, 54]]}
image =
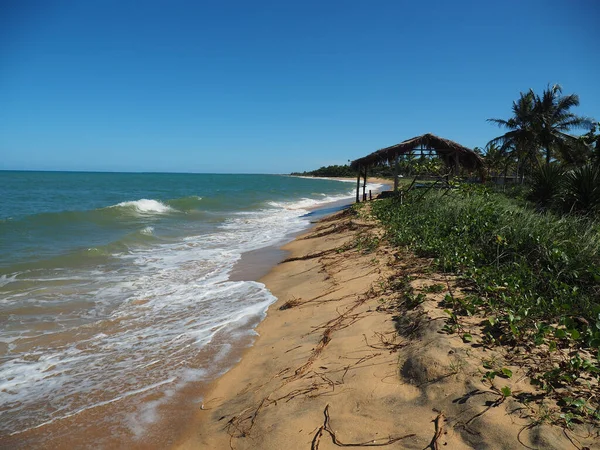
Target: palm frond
{"points": [[500, 122]]}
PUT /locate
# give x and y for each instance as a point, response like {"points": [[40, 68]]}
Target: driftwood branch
{"points": [[439, 430], [309, 256], [326, 427]]}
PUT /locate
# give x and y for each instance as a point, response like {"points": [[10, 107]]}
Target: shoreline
{"points": [[256, 264], [203, 431], [274, 336], [261, 265], [160, 425], [339, 357]]}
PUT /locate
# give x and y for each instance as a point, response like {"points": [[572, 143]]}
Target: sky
{"points": [[273, 87]]}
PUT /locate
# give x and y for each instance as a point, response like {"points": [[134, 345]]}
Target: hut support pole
{"points": [[365, 185], [396, 174], [358, 185], [456, 166]]}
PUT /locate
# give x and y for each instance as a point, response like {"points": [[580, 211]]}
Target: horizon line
{"points": [[139, 172]]}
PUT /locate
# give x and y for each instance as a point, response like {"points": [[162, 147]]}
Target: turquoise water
{"points": [[117, 285], [49, 214]]}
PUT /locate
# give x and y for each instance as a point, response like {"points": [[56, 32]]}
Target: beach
{"points": [[123, 295], [339, 339], [254, 226], [344, 358]]}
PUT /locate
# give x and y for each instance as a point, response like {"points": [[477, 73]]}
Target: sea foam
{"points": [[311, 203], [144, 206]]}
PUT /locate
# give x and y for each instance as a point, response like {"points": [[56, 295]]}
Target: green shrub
{"points": [[582, 190], [546, 184], [532, 270]]}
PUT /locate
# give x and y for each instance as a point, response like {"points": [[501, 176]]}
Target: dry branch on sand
{"points": [[309, 256], [439, 430], [326, 427], [291, 303]]}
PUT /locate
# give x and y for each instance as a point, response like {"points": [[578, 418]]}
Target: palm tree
{"points": [[542, 123], [552, 121], [495, 159], [591, 141], [520, 139]]}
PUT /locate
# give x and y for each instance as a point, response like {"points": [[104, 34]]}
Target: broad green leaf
{"points": [[506, 391], [574, 334]]}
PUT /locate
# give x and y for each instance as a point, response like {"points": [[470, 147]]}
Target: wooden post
{"points": [[396, 174], [456, 166], [358, 185], [365, 185]]}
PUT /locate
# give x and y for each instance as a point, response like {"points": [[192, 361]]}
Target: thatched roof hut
{"points": [[449, 151], [452, 153]]}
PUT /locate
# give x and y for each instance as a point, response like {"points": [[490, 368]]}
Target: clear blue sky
{"points": [[273, 87]]}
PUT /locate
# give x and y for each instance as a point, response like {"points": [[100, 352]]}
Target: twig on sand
{"points": [[385, 343], [309, 256], [291, 303], [439, 430], [343, 226], [526, 427], [342, 321], [327, 427], [577, 444], [315, 442], [325, 338]]}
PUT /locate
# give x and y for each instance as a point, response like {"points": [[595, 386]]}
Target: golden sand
{"points": [[342, 358]]}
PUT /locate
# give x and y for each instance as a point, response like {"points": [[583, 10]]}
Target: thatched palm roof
{"points": [[447, 150]]}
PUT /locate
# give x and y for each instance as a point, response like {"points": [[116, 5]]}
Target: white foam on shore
{"points": [[310, 203], [103, 403]]}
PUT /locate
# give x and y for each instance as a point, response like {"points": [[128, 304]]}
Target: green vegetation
{"points": [[539, 266], [561, 170], [346, 171], [575, 191], [534, 276], [539, 129], [526, 254], [408, 165], [556, 170], [329, 171]]}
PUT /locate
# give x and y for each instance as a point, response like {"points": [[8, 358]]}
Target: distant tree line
{"points": [[329, 171], [345, 171]]}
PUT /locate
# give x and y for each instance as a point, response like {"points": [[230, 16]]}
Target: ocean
{"points": [[115, 287]]}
